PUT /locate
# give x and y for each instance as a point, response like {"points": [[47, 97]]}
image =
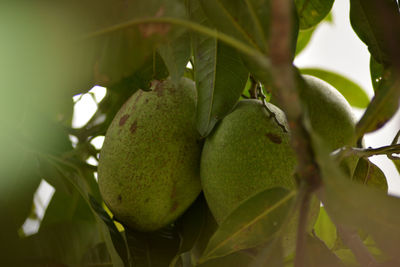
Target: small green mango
{"points": [[330, 116], [149, 164]]}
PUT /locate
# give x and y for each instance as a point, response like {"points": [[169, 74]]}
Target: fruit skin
{"points": [[246, 153], [249, 152], [149, 163], [330, 116]]}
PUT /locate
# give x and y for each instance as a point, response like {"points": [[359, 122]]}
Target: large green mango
{"points": [[149, 163], [250, 150]]}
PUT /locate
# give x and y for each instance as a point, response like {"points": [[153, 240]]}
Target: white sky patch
{"points": [[86, 105], [92, 161], [189, 65], [98, 141], [84, 110], [41, 199], [98, 92]]}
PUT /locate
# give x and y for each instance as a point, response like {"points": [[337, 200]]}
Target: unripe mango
{"points": [[149, 163], [248, 152]]}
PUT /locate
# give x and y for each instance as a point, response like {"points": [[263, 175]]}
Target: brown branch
{"points": [[283, 74]]}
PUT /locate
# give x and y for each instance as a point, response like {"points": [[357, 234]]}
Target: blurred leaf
{"points": [[370, 20], [117, 240], [176, 54], [97, 256], [325, 229], [63, 243], [383, 105], [236, 259], [67, 207], [18, 183], [347, 257], [155, 249], [120, 50], [368, 173], [252, 223], [318, 254], [353, 93], [219, 74], [312, 12], [354, 205]]}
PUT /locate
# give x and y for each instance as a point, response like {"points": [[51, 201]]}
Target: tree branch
{"points": [[352, 240], [287, 96]]}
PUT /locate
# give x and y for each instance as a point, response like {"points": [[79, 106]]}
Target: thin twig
{"points": [[345, 152]]}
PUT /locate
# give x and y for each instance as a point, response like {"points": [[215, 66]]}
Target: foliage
{"points": [[53, 50]]}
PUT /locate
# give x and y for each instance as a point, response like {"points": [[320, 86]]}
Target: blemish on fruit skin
{"points": [[274, 138], [123, 119], [174, 207], [133, 127]]}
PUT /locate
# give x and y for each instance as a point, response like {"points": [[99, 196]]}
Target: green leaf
{"points": [[312, 12], [353, 93], [246, 21], [369, 174], [376, 69], [384, 104], [67, 207], [219, 74], [176, 54], [360, 207], [155, 249], [303, 39], [254, 222], [325, 229], [318, 254], [220, 79], [370, 20]]}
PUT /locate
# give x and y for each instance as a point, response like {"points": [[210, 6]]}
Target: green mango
{"points": [[330, 117], [149, 164], [248, 152]]}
